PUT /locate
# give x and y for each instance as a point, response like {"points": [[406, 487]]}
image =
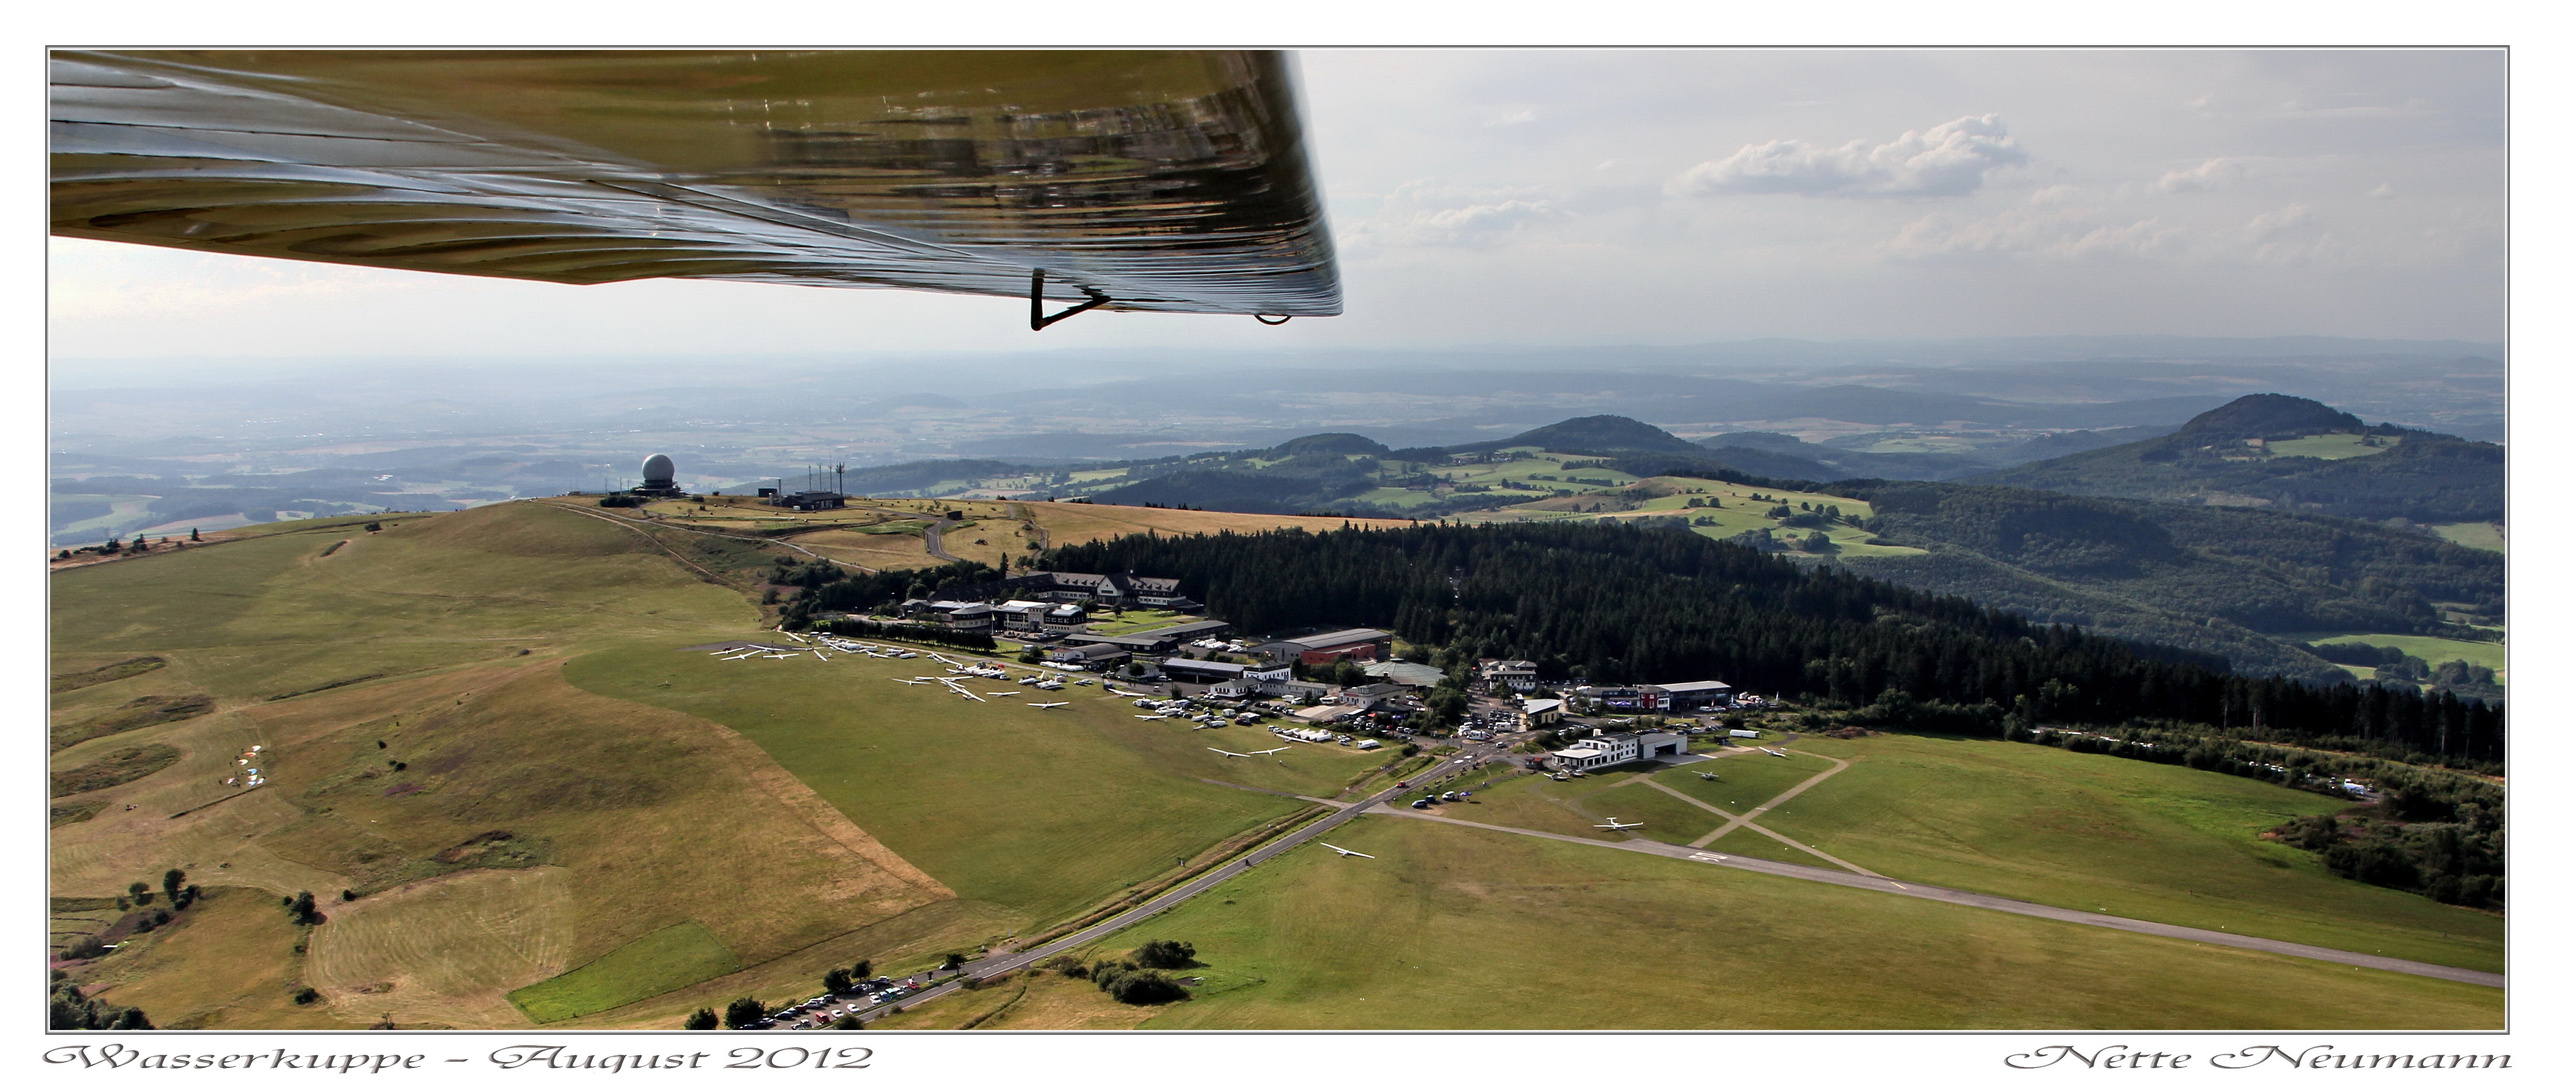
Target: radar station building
{"points": [[656, 477]]}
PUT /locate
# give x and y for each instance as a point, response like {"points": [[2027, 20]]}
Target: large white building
{"points": [[1603, 750]]}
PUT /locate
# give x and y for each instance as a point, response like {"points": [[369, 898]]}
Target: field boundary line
{"points": [[771, 778]]}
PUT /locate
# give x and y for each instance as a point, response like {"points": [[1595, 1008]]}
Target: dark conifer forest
{"points": [[1617, 604]]}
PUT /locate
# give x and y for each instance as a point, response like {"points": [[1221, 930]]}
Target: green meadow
{"points": [[669, 959], [2098, 833], [1450, 927], [2433, 650], [1044, 811]]}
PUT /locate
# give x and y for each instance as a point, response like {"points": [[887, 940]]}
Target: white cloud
{"points": [[1951, 159], [2382, 191], [1423, 213], [1511, 119], [2286, 221], [2209, 175]]}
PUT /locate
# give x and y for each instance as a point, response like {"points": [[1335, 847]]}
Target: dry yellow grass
{"points": [[445, 950], [1074, 523], [227, 962]]}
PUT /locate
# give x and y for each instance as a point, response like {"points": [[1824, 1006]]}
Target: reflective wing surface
{"points": [[1166, 181]]}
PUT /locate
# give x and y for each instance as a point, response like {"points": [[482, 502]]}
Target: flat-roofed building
{"points": [[1361, 644], [1188, 670], [1707, 693]]}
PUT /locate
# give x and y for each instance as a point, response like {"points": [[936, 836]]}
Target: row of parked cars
{"points": [[823, 1009]]}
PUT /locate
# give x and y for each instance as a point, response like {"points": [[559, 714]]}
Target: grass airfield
{"points": [[666, 815], [1450, 927]]}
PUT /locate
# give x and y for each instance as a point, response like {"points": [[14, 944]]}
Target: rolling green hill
{"points": [[2290, 453]]}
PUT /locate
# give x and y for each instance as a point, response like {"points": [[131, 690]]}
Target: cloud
{"points": [[1511, 119], [2032, 232], [1951, 159], [1422, 213], [2288, 221], [2382, 191], [2209, 175]]}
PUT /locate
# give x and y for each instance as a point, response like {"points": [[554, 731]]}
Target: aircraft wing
{"points": [[1160, 180]]}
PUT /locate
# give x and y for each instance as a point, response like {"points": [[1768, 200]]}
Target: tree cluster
{"points": [[70, 1011]]}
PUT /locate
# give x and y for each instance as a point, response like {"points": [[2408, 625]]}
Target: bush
{"points": [[305, 996], [702, 1019], [1166, 954], [83, 947], [1133, 987]]}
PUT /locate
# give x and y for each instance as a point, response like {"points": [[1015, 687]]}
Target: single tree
{"points": [[172, 883], [702, 1019], [744, 1012], [838, 982], [954, 962], [861, 970]]}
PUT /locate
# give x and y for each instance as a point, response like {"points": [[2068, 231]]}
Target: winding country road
{"points": [[1010, 962]]}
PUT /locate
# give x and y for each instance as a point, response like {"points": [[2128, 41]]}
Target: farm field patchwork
{"points": [[1399, 942]]}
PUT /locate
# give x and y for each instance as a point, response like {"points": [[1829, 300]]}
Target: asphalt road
{"points": [[1009, 962]]}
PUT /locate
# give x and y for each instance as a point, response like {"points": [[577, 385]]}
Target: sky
{"points": [[1501, 197]]}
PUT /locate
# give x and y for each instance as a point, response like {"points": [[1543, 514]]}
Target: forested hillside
{"points": [[2272, 450], [1611, 603]]}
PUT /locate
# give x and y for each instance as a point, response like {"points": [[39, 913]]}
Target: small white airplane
{"points": [[910, 682], [1344, 852], [741, 656], [1258, 752], [1619, 826], [1229, 753], [1775, 752], [1046, 704], [1003, 693], [1154, 716], [1125, 693]]}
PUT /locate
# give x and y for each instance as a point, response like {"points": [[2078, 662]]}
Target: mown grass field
{"points": [[669, 959], [1452, 927], [2475, 534], [1043, 811], [2434, 651], [2331, 446], [2093, 832], [1746, 779]]}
